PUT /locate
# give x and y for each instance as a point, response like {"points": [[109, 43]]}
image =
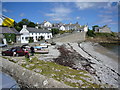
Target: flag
{"points": [[7, 21]]}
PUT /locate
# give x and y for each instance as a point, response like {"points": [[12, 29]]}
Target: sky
{"points": [[90, 13]]}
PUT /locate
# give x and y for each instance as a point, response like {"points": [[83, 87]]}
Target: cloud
{"points": [[22, 14], [77, 17], [5, 10], [87, 5], [59, 13], [84, 5], [105, 16], [106, 19]]}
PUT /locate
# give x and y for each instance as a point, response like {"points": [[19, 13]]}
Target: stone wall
{"points": [[27, 78], [75, 37]]}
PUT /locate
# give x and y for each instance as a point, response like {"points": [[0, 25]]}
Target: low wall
{"points": [[29, 79], [75, 37]]}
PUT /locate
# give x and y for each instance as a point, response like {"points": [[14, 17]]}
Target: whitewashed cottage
{"points": [[34, 33], [62, 28], [45, 24]]}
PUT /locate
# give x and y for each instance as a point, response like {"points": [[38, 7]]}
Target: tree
{"points": [[90, 33], [18, 26], [31, 24], [93, 27], [10, 37], [55, 31]]}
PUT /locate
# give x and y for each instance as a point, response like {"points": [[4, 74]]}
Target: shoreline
{"points": [[105, 68]]}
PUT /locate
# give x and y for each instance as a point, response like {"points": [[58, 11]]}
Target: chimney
{"points": [[24, 26]]}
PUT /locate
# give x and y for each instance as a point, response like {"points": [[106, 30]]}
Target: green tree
{"points": [[31, 24], [18, 26], [90, 33], [10, 37], [93, 27], [55, 31]]}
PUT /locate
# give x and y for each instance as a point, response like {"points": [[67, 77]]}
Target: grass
{"points": [[61, 73], [9, 59]]}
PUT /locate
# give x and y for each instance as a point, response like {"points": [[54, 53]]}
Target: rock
{"points": [[45, 83], [27, 66], [21, 62], [31, 65], [37, 70]]}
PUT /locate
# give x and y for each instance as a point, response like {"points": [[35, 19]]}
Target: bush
{"points": [[10, 37], [90, 33], [104, 34], [62, 32], [55, 31], [31, 39]]}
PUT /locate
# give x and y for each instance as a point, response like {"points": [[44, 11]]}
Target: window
{"points": [[22, 38], [48, 36], [26, 38], [36, 37]]}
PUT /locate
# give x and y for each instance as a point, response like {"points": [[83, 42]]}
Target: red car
{"points": [[19, 52]]}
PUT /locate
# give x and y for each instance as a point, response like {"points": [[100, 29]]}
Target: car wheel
{"points": [[3, 54], [17, 54]]}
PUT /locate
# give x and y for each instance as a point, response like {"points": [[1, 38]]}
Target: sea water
{"points": [[112, 47]]}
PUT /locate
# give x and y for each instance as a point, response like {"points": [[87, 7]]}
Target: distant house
{"points": [[62, 28], [104, 29], [57, 24], [9, 30], [71, 26], [34, 33], [45, 24]]}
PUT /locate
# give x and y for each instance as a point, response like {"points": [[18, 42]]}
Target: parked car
{"points": [[3, 45], [19, 52]]}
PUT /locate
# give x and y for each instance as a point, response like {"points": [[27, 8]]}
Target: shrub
{"points": [[90, 33], [55, 31], [10, 37], [31, 39], [61, 32], [104, 34]]}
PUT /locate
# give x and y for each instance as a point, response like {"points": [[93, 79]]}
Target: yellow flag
{"points": [[8, 22]]}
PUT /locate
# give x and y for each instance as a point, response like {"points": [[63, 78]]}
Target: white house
{"points": [[34, 33], [85, 28], [62, 28], [46, 24]]}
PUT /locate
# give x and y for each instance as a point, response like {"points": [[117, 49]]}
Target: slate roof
{"points": [[35, 30], [71, 25], [8, 30]]}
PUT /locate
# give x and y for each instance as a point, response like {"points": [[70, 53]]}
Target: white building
{"points": [[34, 33], [85, 28], [46, 24], [62, 28]]}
